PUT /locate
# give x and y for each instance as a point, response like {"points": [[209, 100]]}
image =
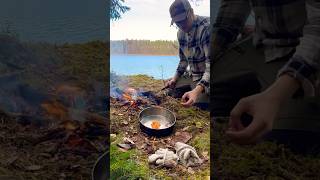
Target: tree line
{"points": [[148, 47]]}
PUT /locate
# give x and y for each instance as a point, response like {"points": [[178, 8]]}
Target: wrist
{"points": [[198, 89], [283, 88]]}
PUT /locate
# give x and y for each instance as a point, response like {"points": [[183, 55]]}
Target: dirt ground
{"points": [[27, 152]]}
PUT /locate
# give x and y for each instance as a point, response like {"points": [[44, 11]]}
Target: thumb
{"points": [[235, 115], [184, 97]]}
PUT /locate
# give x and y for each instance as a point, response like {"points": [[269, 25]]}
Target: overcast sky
{"points": [[150, 19]]}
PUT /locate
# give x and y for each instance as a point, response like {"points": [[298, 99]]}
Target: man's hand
{"points": [[190, 97], [171, 83], [263, 107]]}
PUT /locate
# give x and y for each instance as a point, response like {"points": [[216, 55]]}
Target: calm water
{"points": [[56, 21], [154, 66]]}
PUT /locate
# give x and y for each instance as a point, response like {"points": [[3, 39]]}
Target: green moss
{"points": [[202, 142], [265, 160], [125, 165]]}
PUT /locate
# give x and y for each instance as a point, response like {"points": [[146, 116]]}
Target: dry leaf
{"points": [[181, 137]]}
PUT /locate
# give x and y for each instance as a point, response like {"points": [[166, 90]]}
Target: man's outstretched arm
{"points": [[299, 72]]}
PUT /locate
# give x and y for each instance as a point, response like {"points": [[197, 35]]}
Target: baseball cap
{"points": [[179, 10]]}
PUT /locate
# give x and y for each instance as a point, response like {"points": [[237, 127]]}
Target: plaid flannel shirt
{"points": [[194, 51], [281, 27]]}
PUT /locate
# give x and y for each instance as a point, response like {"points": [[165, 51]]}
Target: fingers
{"points": [[189, 103], [171, 83], [236, 132], [186, 100], [235, 115], [184, 97], [248, 135]]}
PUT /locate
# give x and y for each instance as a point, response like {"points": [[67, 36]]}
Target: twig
{"points": [[164, 83]]}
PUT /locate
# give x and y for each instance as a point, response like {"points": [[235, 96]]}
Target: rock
{"points": [[124, 146], [113, 137], [128, 141]]}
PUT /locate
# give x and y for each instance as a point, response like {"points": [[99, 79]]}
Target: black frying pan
{"points": [[101, 168], [162, 115]]}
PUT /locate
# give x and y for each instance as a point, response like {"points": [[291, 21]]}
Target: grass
{"points": [[127, 165], [202, 142]]}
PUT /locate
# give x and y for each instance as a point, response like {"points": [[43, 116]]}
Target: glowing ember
{"points": [[55, 110], [155, 124], [127, 97]]}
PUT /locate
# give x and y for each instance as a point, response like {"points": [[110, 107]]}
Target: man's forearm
{"points": [[198, 89], [283, 88]]}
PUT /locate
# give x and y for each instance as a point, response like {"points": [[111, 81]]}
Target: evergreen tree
{"points": [[117, 8]]}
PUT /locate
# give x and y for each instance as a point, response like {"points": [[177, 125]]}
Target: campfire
{"points": [[64, 116], [134, 98]]}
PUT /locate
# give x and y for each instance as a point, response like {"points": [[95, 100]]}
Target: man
{"points": [[286, 39], [193, 37]]}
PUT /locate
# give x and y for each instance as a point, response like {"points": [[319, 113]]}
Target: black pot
{"points": [[101, 170], [168, 121]]}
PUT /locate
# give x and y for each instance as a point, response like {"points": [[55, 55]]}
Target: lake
{"points": [[56, 21], [156, 66]]}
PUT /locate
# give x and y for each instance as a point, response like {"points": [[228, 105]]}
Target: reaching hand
{"points": [[263, 108], [171, 83], [190, 97]]}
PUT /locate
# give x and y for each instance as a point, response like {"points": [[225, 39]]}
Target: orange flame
{"points": [[55, 110], [127, 97]]}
